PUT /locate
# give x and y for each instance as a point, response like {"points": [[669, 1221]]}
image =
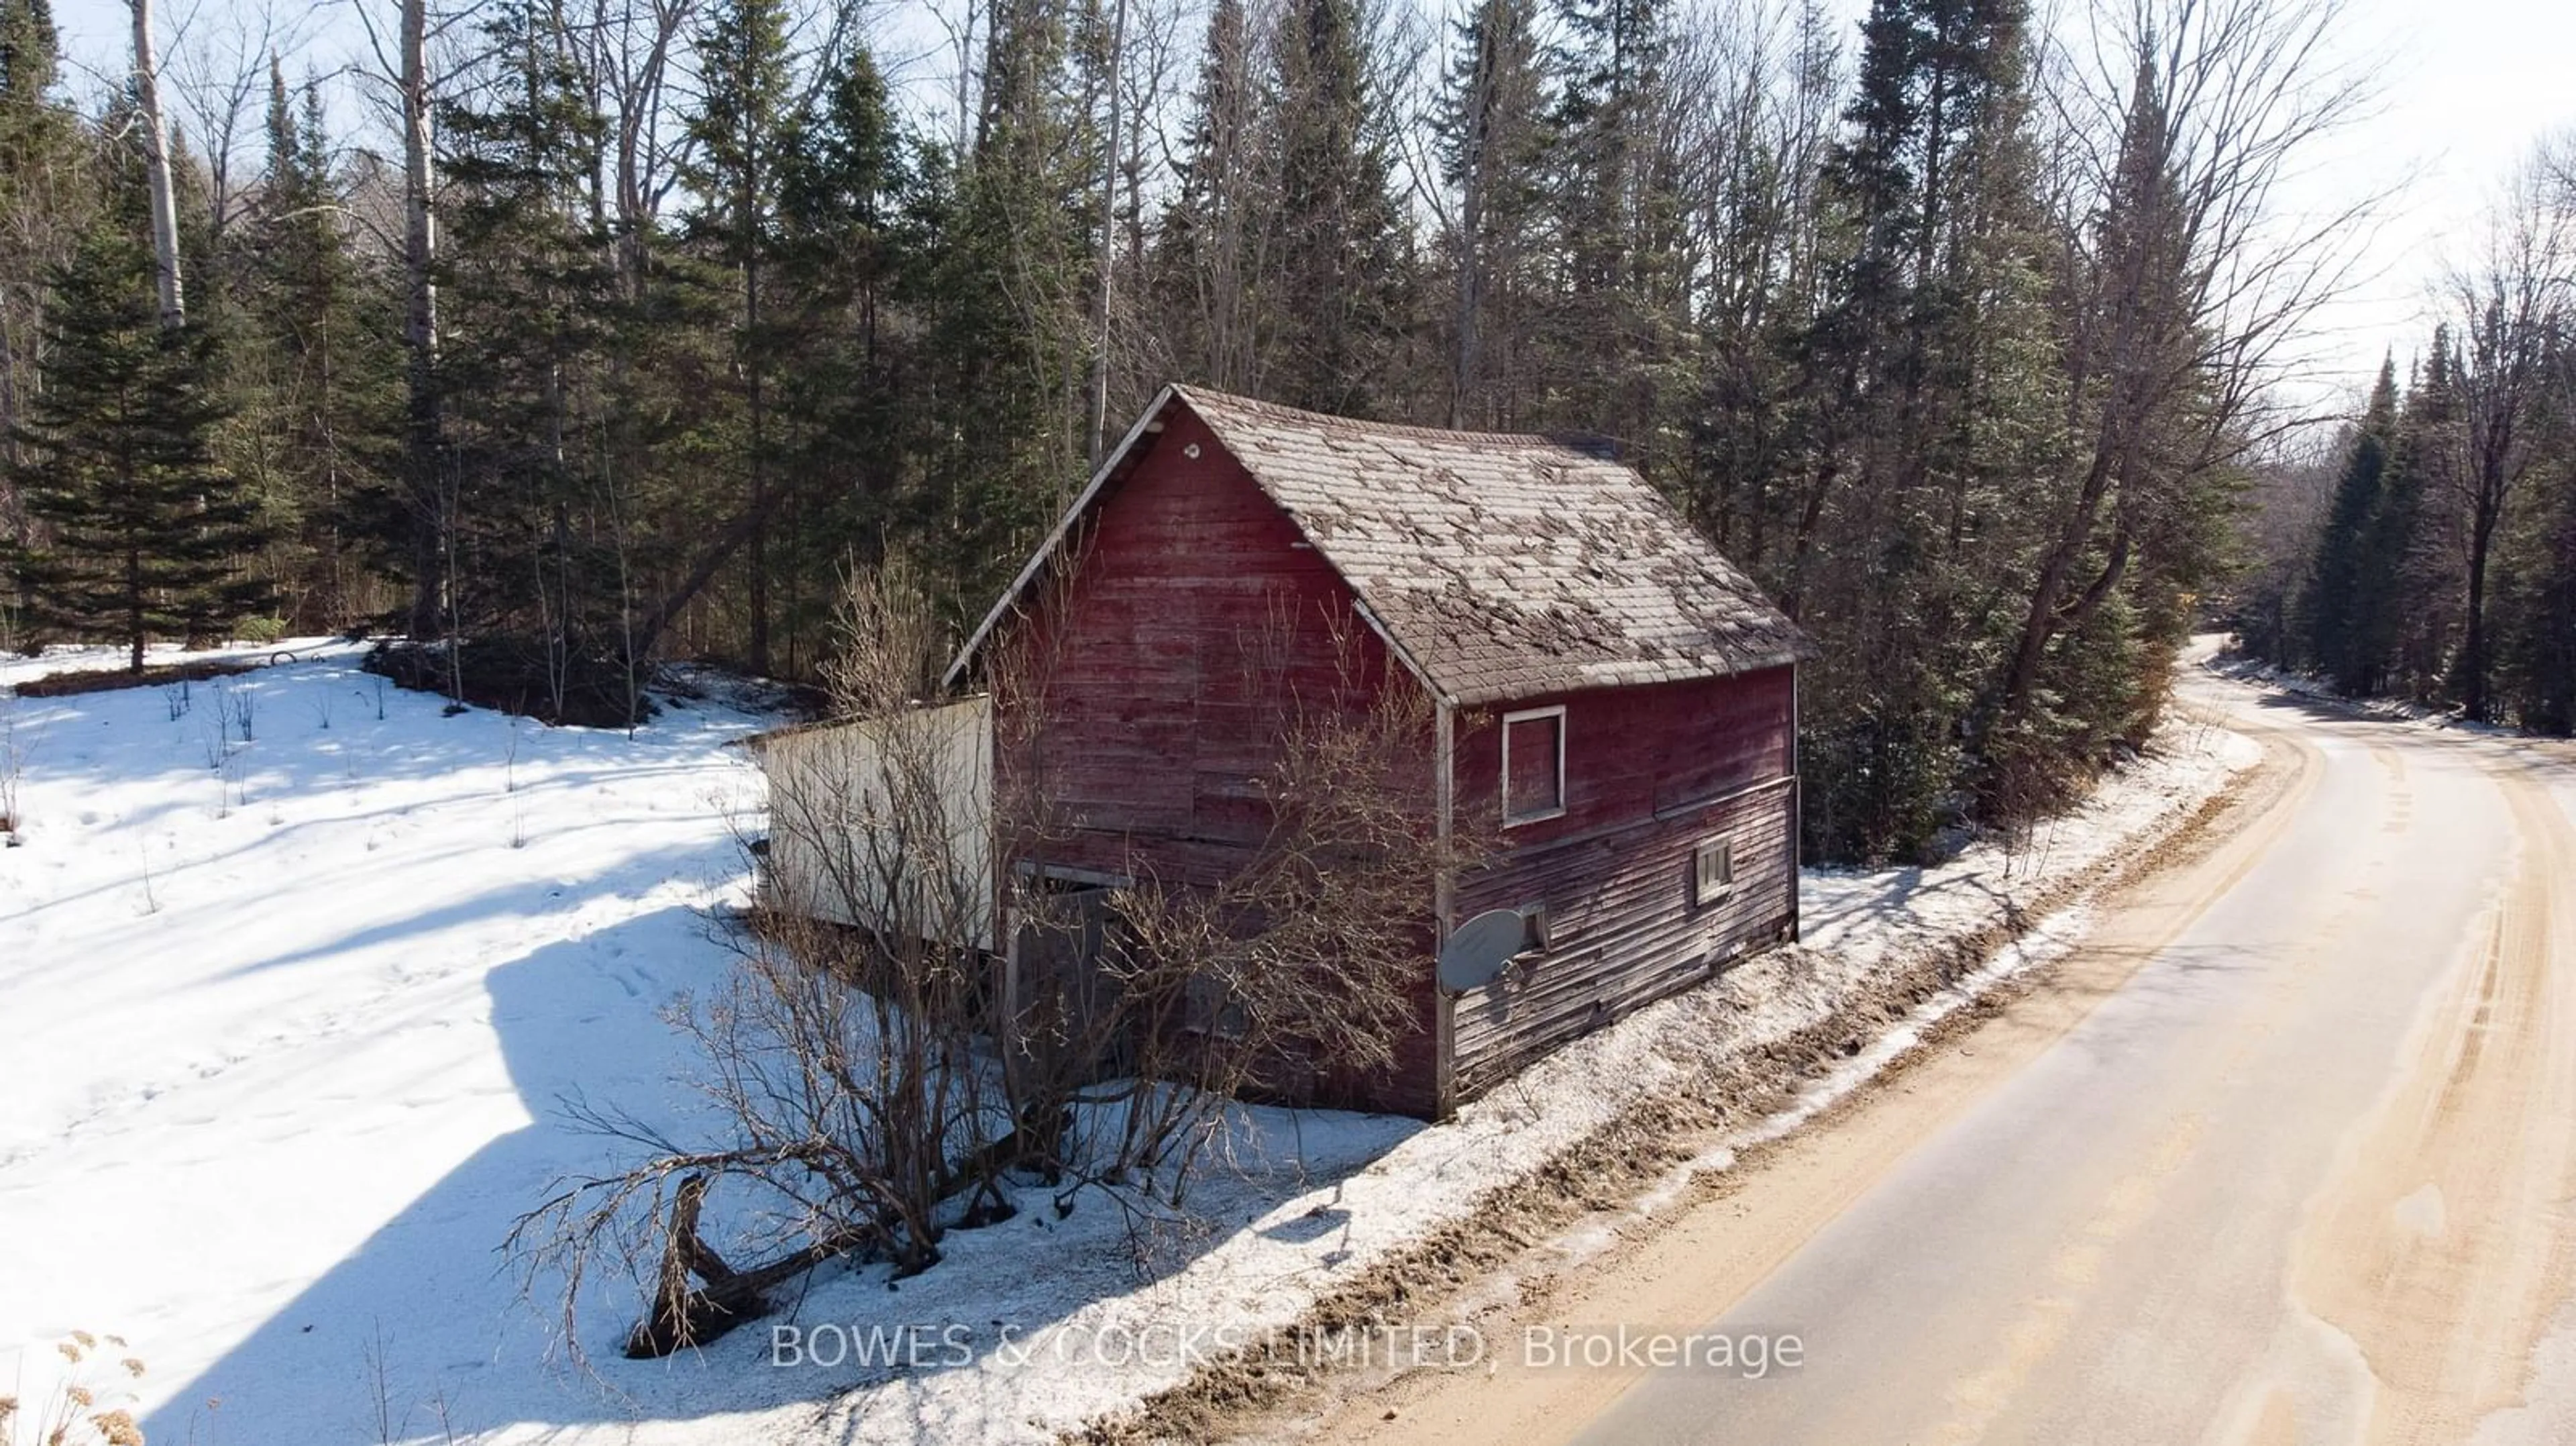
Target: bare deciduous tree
{"points": [[2188, 286], [220, 66], [2514, 311]]}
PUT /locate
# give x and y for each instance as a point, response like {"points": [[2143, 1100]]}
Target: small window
{"points": [[1533, 765], [1713, 871]]}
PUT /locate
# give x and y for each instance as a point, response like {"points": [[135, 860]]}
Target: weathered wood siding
{"points": [[885, 823], [1651, 773], [1197, 623], [1198, 620]]}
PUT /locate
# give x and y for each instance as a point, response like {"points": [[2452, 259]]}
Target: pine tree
{"points": [[147, 536], [1938, 393], [43, 207], [847, 253], [40, 150], [2116, 515], [322, 375], [744, 109], [2397, 614], [530, 319], [847, 177], [1622, 324], [1343, 284], [1213, 245], [2329, 612], [1006, 430], [2536, 600], [1497, 138], [30, 57]]}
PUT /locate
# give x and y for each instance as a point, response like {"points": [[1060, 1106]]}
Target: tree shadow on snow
{"points": [[421, 1332]]}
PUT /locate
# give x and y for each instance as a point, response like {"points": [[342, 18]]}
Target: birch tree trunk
{"points": [[156, 165], [420, 327]]}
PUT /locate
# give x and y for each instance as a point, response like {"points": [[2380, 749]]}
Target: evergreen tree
{"points": [[320, 376], [2329, 613], [1977, 432], [30, 57], [2536, 600], [1496, 143], [1213, 246], [147, 537], [1938, 394], [43, 206], [1005, 432], [847, 251], [1621, 325], [39, 142], [530, 321], [1343, 284], [2122, 513], [745, 106], [2396, 642]]}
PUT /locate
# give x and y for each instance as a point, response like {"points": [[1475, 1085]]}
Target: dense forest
{"points": [[2428, 553], [580, 333]]}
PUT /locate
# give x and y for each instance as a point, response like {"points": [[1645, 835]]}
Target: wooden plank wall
{"points": [[1650, 774], [1197, 623]]}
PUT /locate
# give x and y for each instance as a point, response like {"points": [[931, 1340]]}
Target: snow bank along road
{"points": [[2286, 1153]]}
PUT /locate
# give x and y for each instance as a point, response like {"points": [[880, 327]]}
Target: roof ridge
{"points": [[1194, 394]]}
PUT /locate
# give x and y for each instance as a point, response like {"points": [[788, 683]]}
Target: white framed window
{"points": [[1712, 871], [1533, 765]]}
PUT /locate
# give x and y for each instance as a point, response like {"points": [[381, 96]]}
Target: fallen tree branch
{"points": [[682, 1316]]}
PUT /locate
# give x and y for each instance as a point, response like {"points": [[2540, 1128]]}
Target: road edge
{"points": [[1638, 1153]]}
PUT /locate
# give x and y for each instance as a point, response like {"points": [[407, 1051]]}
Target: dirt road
{"points": [[2285, 1154]]}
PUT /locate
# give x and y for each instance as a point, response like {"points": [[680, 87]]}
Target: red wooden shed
{"points": [[1609, 693]]}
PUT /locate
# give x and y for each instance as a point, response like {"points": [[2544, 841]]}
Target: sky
{"points": [[2469, 87], [2466, 89]]}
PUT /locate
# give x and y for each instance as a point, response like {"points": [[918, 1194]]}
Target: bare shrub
{"points": [[1301, 972], [886, 1062], [847, 1052]]}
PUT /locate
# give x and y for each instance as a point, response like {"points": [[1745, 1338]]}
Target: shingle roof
{"points": [[1500, 566]]}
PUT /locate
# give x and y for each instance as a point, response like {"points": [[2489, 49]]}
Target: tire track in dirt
{"points": [[2435, 1247]]}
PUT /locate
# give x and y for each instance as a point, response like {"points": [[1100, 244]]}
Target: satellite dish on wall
{"points": [[1480, 949]]}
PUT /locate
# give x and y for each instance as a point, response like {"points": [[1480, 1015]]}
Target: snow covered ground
{"points": [[280, 1022], [285, 1025]]}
